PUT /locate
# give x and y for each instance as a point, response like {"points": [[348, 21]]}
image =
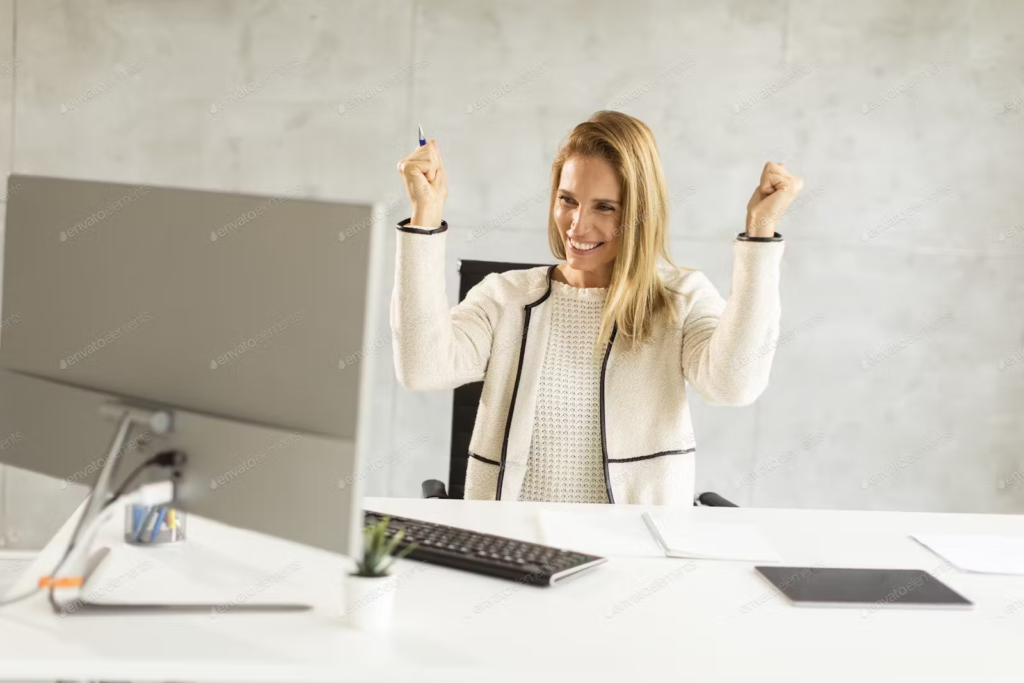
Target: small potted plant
{"points": [[370, 590]]}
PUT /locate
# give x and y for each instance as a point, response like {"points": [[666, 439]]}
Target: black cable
{"points": [[165, 459], [149, 462]]}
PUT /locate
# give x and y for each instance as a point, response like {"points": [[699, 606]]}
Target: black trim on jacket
{"points": [[515, 387], [421, 231], [654, 455], [604, 438], [483, 459], [743, 237]]}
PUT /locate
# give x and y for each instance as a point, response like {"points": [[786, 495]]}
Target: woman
{"points": [[585, 363]]}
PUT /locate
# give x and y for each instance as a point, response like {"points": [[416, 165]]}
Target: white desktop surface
{"points": [[628, 620]]}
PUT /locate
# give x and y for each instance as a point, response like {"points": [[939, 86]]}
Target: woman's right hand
{"points": [[426, 183]]}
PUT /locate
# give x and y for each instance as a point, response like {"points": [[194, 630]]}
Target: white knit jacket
{"points": [[498, 334]]}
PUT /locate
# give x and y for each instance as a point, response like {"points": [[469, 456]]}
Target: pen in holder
{"points": [[153, 525]]}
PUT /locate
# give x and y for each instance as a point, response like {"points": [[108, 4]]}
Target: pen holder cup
{"points": [[153, 525]]}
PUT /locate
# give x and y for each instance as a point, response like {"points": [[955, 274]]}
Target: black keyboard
{"points": [[472, 551]]}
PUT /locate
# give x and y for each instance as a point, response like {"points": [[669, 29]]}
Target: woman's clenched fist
{"points": [[776, 191], [426, 183]]}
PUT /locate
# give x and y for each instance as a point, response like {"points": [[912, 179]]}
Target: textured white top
{"points": [[565, 463]]}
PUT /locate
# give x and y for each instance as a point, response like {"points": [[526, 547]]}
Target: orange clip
{"points": [[62, 582]]}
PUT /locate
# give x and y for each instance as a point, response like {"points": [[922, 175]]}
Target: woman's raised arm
{"points": [[728, 346], [436, 346]]}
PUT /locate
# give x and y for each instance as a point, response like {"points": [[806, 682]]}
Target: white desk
{"points": [[623, 621]]}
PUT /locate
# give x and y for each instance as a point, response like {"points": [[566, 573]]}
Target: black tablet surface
{"points": [[877, 588]]}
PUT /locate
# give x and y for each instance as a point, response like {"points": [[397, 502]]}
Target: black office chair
{"points": [[467, 400]]}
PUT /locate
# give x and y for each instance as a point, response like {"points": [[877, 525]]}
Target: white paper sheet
{"points": [[684, 537], [978, 553]]}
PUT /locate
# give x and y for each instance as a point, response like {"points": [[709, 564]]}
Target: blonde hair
{"points": [[637, 298]]}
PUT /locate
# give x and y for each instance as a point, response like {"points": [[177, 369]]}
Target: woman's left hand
{"points": [[777, 190]]}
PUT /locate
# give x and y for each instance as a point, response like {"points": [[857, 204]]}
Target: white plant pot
{"points": [[370, 601]]}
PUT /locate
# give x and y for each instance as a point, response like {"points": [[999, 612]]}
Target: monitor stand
{"points": [[67, 587]]}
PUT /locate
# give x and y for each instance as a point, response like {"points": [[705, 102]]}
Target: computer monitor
{"points": [[231, 311]]}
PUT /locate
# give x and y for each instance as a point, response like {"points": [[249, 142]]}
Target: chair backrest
{"points": [[467, 397]]}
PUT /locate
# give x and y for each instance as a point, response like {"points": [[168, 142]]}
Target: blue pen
{"points": [[137, 514], [145, 523], [159, 523], [423, 140]]}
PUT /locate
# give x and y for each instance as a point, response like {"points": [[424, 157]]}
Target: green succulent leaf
{"points": [[379, 551]]}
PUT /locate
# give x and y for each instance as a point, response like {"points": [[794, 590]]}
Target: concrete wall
{"points": [[899, 380]]}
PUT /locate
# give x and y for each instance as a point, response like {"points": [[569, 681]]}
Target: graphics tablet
{"points": [[874, 588]]}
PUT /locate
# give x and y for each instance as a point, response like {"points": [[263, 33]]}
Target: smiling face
{"points": [[588, 213]]}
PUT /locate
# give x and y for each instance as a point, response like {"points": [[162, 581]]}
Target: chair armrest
{"points": [[432, 488], [711, 499]]}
